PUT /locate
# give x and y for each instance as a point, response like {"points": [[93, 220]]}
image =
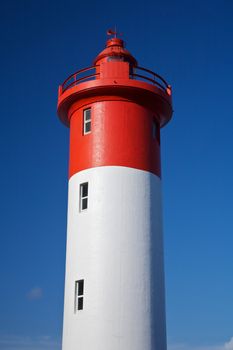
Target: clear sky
{"points": [[190, 43]]}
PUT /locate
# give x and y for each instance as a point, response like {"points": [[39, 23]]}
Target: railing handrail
{"points": [[155, 78], [154, 74], [77, 81], [151, 80], [78, 72]]}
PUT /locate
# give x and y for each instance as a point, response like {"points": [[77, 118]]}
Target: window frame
{"points": [[86, 120], [79, 297], [83, 198], [155, 130]]}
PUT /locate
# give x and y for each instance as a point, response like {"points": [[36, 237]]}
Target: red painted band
{"points": [[122, 134]]}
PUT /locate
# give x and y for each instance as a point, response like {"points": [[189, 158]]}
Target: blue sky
{"points": [[190, 44]]}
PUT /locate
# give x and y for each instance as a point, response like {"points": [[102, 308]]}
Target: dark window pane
{"points": [[87, 127], [80, 287], [115, 58], [87, 114], [80, 303], [154, 129], [84, 203], [84, 190]]}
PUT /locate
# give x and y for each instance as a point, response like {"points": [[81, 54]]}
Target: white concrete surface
{"points": [[116, 246]]}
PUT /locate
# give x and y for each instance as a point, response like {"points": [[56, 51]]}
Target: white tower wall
{"points": [[116, 247]]}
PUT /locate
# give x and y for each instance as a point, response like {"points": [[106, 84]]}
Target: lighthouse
{"points": [[114, 280]]}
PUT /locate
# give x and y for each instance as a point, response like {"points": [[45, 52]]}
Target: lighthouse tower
{"points": [[114, 284]]}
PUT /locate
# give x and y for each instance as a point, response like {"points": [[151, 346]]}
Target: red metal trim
{"points": [[76, 82], [151, 80], [154, 80], [74, 76], [154, 74], [78, 72], [155, 98]]}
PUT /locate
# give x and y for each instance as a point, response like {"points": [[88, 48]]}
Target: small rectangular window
{"points": [[87, 121], [83, 201], [79, 291], [154, 129]]}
